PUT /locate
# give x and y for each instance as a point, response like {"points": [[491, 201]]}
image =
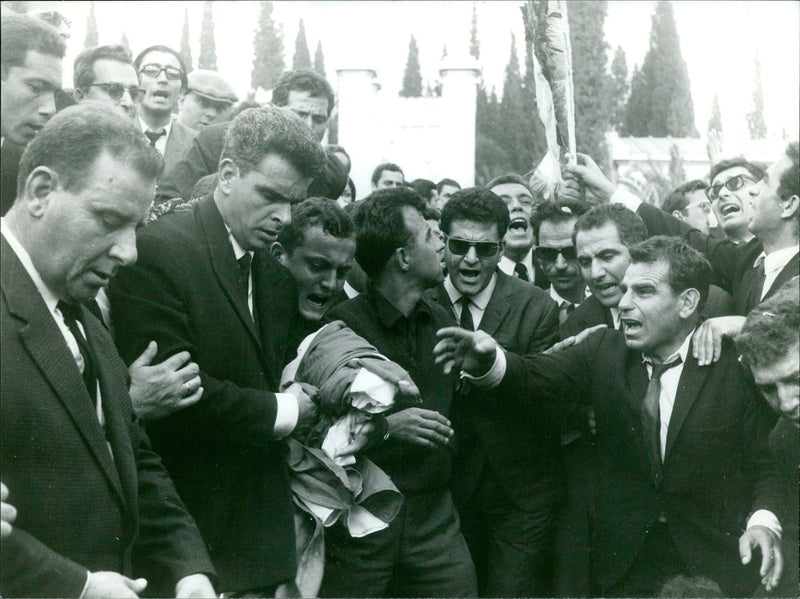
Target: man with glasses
{"points": [[728, 192], [106, 74], [162, 77], [504, 472], [208, 99], [688, 202]]}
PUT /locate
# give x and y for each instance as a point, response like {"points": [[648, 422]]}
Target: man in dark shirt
{"points": [[422, 553]]}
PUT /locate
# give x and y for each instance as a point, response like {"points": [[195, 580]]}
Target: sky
{"points": [[719, 42]]}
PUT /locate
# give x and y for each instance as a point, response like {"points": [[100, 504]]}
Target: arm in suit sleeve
{"points": [[540, 324], [148, 303], [30, 568], [723, 254], [201, 159]]}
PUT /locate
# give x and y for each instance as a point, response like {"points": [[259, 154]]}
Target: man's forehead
{"points": [[114, 71], [728, 173], [474, 230], [511, 190], [302, 100], [45, 66], [605, 235], [556, 231], [643, 272], [159, 57]]}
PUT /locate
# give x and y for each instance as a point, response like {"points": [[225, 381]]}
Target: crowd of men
{"points": [[609, 391]]}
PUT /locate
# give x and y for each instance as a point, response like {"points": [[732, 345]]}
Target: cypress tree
{"points": [[511, 131], [715, 122], [319, 60], [412, 78], [755, 118], [302, 59], [619, 89], [474, 44], [186, 47], [208, 47], [92, 38], [268, 61], [124, 41]]}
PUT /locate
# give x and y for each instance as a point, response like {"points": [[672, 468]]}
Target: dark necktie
{"points": [[521, 272], [466, 321], [72, 315], [244, 273], [755, 284], [651, 427], [154, 136], [565, 309]]}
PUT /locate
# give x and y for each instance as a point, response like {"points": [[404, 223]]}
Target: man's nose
{"points": [[124, 248], [47, 104], [283, 214], [560, 262]]}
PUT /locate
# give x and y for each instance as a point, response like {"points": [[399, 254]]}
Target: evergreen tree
{"points": [[491, 158], [124, 41], [715, 122], [662, 100], [474, 44], [534, 141], [591, 83], [92, 38], [302, 59], [511, 132], [444, 51], [208, 47], [186, 48], [267, 50], [619, 89], [755, 118], [412, 78], [319, 60]]}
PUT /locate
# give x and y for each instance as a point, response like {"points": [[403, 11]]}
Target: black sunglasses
{"points": [[154, 70], [547, 254], [732, 184], [483, 249], [115, 91]]}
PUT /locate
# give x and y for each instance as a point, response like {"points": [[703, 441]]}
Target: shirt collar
{"points": [[615, 317], [683, 351], [776, 260], [50, 298], [480, 299], [387, 312], [238, 250], [145, 127]]}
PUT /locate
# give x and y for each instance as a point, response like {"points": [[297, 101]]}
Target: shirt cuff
{"points": [[286, 416], [85, 585], [766, 519], [496, 373], [626, 198]]}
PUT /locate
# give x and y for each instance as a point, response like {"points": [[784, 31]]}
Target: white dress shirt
{"points": [[161, 144], [507, 265], [477, 303], [774, 264]]}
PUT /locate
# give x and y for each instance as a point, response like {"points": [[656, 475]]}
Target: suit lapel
{"points": [[689, 385], [224, 264], [789, 271], [44, 342], [636, 379], [498, 305]]}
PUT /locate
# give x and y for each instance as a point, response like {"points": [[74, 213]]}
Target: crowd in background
{"points": [[584, 394]]}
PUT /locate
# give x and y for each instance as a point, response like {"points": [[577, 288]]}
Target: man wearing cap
{"points": [[208, 99]]}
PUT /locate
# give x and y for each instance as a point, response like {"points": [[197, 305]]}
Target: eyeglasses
{"points": [[154, 70], [483, 249], [548, 254], [115, 91], [732, 184], [704, 205]]}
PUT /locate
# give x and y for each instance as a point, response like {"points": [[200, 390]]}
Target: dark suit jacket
{"points": [[179, 140], [589, 313], [78, 508], [717, 468], [523, 455], [733, 264], [184, 293], [9, 167]]}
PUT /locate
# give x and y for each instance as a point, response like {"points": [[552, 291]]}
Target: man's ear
{"points": [[690, 301], [78, 94], [401, 256], [279, 252], [38, 189], [789, 207], [678, 214], [227, 174]]}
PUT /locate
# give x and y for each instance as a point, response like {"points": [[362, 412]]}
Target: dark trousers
{"points": [[421, 554], [511, 547]]}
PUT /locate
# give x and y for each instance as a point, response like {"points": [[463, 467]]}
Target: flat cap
{"points": [[211, 85]]}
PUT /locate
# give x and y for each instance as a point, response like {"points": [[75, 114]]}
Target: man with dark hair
{"points": [[422, 553], [97, 513], [426, 189], [504, 471], [770, 345], [307, 95], [386, 175], [518, 256], [203, 283], [208, 99], [30, 69], [731, 181], [444, 189], [553, 223], [106, 74], [681, 458], [688, 202], [162, 77], [318, 247]]}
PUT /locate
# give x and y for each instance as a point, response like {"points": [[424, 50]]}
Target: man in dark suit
{"points": [[504, 472], [422, 553], [97, 512], [682, 458], [770, 346], [203, 285], [31, 51]]}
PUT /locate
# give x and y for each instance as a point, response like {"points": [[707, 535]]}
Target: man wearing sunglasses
{"points": [[731, 181], [106, 74], [162, 77], [504, 483]]}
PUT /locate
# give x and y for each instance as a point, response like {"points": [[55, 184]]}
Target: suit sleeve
{"points": [[28, 568], [149, 302], [542, 325], [723, 254], [198, 161]]}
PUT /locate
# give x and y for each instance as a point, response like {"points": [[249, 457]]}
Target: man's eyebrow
{"points": [[268, 191]]}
